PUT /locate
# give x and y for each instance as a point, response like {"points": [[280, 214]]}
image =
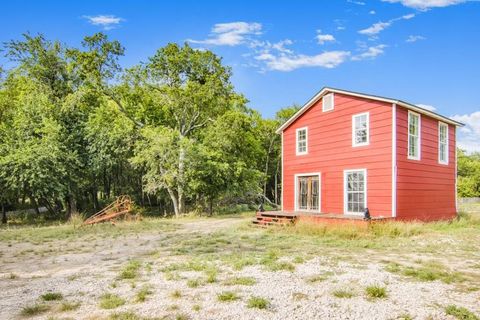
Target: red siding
{"points": [[330, 152], [425, 188]]}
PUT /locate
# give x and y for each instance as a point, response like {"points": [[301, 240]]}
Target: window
{"points": [[413, 136], [355, 191], [360, 129], [302, 141], [328, 102], [308, 193], [442, 143]]}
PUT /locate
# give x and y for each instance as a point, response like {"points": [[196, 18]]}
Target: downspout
{"points": [[281, 194], [394, 160]]}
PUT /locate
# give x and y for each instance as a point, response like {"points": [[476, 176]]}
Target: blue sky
{"points": [[421, 51]]}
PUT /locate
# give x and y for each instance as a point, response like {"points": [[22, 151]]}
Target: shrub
{"points": [[258, 302]]}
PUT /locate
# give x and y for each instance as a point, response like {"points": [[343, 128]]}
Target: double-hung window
{"points": [[355, 191], [414, 136], [360, 129], [302, 141], [442, 143]]}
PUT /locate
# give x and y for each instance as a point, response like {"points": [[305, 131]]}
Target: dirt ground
{"points": [[224, 269]]}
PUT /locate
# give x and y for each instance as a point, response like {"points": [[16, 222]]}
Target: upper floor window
{"points": [[360, 129], [328, 102], [413, 136], [302, 141], [442, 143]]}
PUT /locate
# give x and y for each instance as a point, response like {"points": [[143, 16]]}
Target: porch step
{"points": [[265, 219]]}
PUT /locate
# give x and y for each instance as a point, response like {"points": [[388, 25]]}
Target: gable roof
{"points": [[398, 102]]}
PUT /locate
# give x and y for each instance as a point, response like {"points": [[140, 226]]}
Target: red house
{"points": [[344, 152]]}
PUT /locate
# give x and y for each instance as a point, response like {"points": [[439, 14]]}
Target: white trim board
{"points": [[394, 160], [397, 102]]}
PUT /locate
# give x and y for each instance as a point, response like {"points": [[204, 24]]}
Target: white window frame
{"points": [[366, 143], [419, 141], [440, 125], [298, 153], [295, 183], [345, 191], [324, 108]]}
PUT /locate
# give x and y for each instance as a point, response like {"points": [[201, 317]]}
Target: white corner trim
{"points": [[295, 183], [419, 136], [394, 160], [281, 195], [354, 144], [345, 195], [306, 141]]}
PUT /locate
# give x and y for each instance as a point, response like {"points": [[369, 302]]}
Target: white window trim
{"points": [[442, 124], [419, 136], [295, 183], [306, 141], [354, 144], [345, 194], [333, 102]]}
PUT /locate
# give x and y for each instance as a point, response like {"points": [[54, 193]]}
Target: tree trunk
{"points": [[70, 205], [175, 202], [35, 205], [4, 213], [181, 178], [210, 206]]}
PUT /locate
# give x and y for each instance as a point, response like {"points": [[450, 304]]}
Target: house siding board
{"points": [[425, 188], [330, 152]]}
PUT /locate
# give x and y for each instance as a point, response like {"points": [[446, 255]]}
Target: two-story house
{"points": [[344, 152]]}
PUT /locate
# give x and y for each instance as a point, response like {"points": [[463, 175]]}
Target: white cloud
{"points": [[378, 27], [108, 22], [469, 136], [426, 107], [360, 3], [372, 12], [375, 28], [370, 53], [426, 4], [328, 59], [414, 38], [322, 38], [231, 34]]}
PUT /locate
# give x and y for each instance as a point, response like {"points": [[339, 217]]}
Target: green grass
{"points": [[69, 306], [34, 310], [194, 283], [460, 313], [240, 281], [111, 301], [342, 293], [130, 270], [429, 271], [376, 292], [258, 303], [124, 316], [51, 296], [227, 296], [319, 277]]}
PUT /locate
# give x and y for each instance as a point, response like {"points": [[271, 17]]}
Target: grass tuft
{"points": [[111, 301], [258, 303], [227, 296], [130, 271], [342, 293], [52, 296], [460, 313], [429, 271], [177, 294], [69, 306], [240, 281], [124, 316], [34, 310], [142, 294], [376, 292]]}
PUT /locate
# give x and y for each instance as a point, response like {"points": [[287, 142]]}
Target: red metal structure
{"points": [[119, 208], [344, 152]]}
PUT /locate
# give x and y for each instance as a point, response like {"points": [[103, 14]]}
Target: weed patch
{"points": [[460, 313], [376, 292], [258, 303], [111, 301], [34, 310], [52, 296], [227, 296]]}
